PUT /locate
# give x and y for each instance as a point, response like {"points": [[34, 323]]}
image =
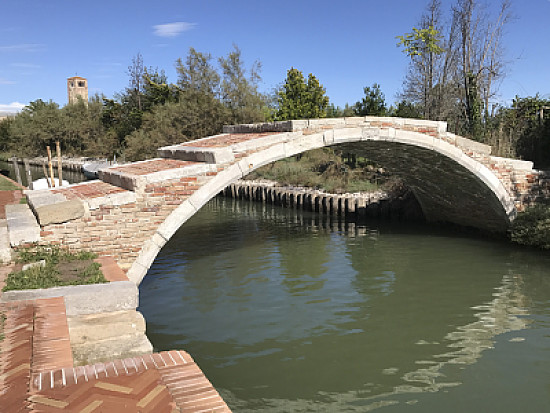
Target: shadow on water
{"points": [[290, 311]]}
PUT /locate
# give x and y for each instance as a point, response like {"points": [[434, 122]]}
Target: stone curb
{"points": [[85, 299], [22, 225]]}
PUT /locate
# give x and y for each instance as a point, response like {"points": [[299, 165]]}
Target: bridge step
{"points": [[137, 175], [22, 225], [220, 149]]}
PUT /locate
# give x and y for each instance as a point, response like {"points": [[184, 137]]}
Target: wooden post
{"points": [[28, 172], [46, 175], [59, 165], [17, 173], [50, 166]]}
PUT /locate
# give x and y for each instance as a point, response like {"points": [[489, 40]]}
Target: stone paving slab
{"points": [[22, 225]]}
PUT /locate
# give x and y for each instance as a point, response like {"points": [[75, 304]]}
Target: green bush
{"points": [[532, 227]]}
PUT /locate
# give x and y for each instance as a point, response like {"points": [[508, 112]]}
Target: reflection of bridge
{"points": [[134, 209]]}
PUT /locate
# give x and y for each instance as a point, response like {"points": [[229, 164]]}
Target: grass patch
{"points": [[6, 184], [59, 268]]}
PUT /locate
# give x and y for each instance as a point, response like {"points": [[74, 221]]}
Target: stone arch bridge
{"points": [[134, 209]]}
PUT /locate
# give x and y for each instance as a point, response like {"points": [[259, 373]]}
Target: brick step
{"points": [[136, 176]]}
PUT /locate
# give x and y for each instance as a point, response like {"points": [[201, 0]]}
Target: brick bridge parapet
{"points": [[134, 209]]}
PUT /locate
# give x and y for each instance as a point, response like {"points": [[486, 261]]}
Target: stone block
{"points": [[61, 212], [136, 273], [44, 197], [197, 154], [148, 253], [85, 299], [354, 121], [328, 137], [257, 143], [21, 224], [303, 143], [316, 124], [263, 157], [104, 326], [516, 164], [414, 138], [175, 220], [371, 133], [280, 126], [471, 145], [213, 187], [123, 346], [348, 135]]}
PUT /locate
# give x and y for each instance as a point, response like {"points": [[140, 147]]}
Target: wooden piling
{"points": [[59, 164], [50, 166], [16, 168]]}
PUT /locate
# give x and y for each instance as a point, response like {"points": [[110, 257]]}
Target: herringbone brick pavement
{"points": [[34, 347]]}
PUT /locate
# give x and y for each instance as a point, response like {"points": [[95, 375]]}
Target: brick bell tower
{"points": [[77, 86]]}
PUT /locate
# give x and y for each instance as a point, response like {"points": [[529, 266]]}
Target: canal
{"points": [[287, 311], [37, 173]]}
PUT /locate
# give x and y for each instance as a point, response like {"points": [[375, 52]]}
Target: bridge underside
{"points": [[446, 191]]}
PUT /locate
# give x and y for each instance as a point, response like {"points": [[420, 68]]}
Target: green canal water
{"points": [[290, 312]]}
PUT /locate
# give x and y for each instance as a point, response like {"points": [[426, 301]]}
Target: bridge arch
{"points": [[449, 184], [134, 209]]}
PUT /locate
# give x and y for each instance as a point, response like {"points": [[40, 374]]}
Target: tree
{"points": [[333, 111], [39, 124], [196, 115], [373, 104], [5, 134], [240, 91], [421, 42], [481, 59], [156, 90], [136, 72], [197, 74], [300, 100], [431, 64], [407, 109]]}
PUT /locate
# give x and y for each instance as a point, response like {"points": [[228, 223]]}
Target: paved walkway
{"points": [[37, 372]]}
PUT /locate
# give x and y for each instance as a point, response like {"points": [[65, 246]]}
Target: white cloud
{"points": [[24, 47], [11, 107], [172, 29], [6, 81]]}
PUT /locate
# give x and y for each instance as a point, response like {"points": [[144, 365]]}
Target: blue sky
{"points": [[346, 44]]}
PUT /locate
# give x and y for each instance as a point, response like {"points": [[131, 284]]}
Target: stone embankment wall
{"points": [[398, 205], [69, 164]]}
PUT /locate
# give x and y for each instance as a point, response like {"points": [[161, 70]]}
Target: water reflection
{"points": [[288, 311]]}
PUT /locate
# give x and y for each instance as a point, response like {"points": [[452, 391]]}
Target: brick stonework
{"points": [[137, 207]]}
